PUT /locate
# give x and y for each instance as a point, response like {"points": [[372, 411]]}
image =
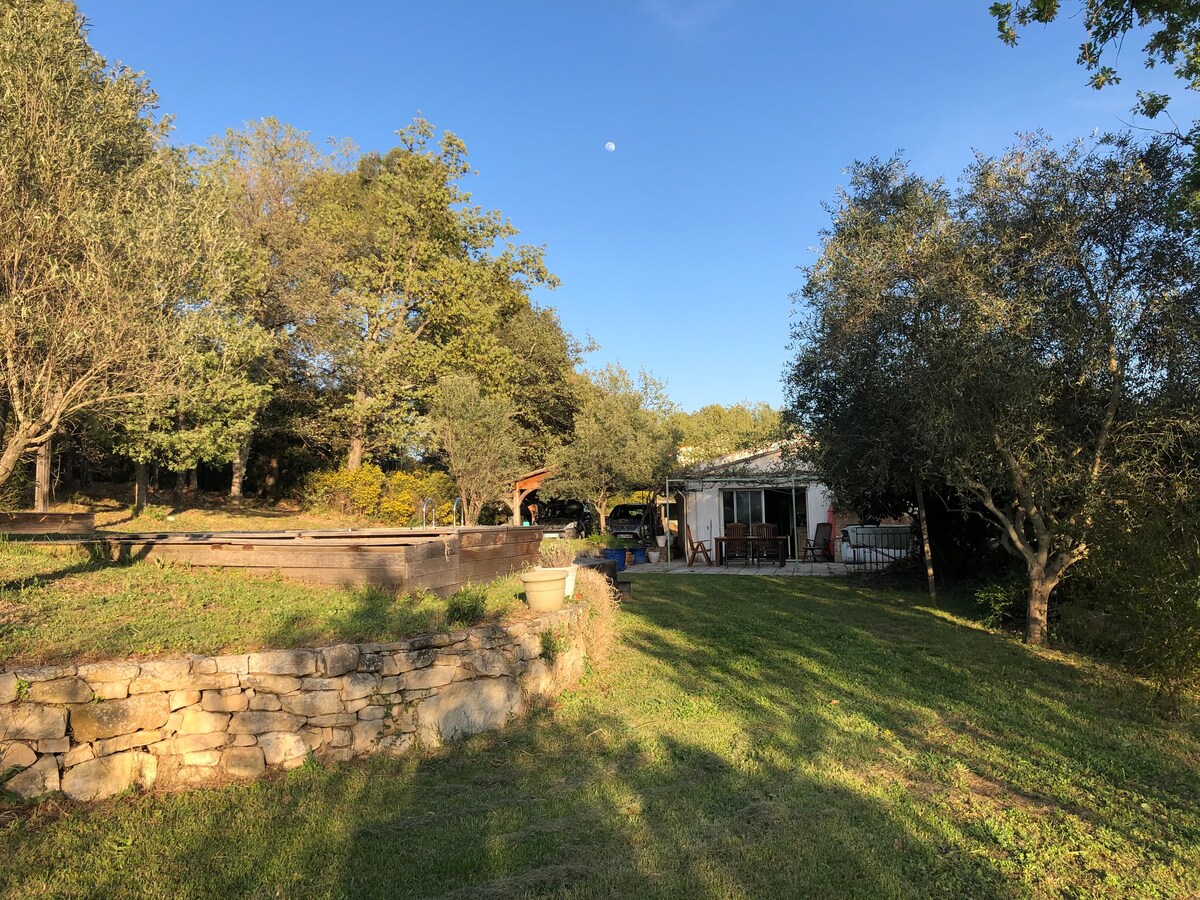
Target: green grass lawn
{"points": [[57, 604], [750, 737]]}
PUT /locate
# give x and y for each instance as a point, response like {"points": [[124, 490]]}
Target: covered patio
{"points": [[791, 568], [758, 503]]}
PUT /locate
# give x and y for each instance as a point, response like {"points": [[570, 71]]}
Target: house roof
{"points": [[760, 466], [531, 480]]}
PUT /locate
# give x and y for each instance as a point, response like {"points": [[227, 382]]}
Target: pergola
{"points": [[696, 481], [523, 487]]}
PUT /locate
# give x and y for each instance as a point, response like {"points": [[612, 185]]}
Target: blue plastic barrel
{"points": [[616, 555], [639, 555]]}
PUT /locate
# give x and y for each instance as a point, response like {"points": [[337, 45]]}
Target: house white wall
{"points": [[818, 501], [703, 503]]}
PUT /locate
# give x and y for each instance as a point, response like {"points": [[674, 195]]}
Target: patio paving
{"points": [[790, 568]]}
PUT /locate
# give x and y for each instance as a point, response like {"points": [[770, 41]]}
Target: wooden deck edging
{"points": [[437, 560], [47, 523]]}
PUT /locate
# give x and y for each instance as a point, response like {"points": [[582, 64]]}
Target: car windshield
{"points": [[629, 511], [563, 509]]}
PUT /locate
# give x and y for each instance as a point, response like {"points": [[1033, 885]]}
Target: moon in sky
{"points": [[610, 146]]}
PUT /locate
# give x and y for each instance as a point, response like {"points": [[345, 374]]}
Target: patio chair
{"points": [[695, 548], [767, 549], [818, 548], [736, 545]]}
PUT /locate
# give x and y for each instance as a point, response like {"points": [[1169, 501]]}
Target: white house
{"points": [[751, 487]]}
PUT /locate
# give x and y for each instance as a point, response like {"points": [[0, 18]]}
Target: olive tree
{"points": [[103, 230], [622, 440], [1048, 342], [479, 437]]}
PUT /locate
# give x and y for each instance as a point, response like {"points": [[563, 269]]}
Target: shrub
{"points": [[1138, 593], [395, 498], [467, 606], [1003, 597], [556, 552], [600, 627], [554, 643]]}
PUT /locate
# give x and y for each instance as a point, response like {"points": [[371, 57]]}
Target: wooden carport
{"points": [[522, 488]]}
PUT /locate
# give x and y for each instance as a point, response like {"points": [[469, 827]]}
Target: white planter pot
{"points": [[544, 588], [652, 555], [569, 590], [661, 540]]}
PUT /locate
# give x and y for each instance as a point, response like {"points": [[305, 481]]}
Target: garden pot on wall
{"points": [[544, 588], [569, 590]]}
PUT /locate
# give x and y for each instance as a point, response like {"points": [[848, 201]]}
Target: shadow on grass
{"points": [[786, 739], [848, 672], [88, 557], [552, 808], [366, 613]]}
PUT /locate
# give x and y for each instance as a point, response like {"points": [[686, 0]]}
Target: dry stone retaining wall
{"points": [[95, 730]]}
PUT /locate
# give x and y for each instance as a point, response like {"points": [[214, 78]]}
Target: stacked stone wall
{"points": [[95, 730]]}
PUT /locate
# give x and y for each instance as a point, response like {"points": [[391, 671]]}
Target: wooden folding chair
{"points": [[736, 545], [818, 548], [769, 549], [696, 547]]}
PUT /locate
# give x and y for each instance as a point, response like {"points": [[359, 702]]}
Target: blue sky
{"points": [[733, 123]]}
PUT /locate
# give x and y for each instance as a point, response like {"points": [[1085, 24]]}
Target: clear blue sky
{"points": [[733, 123]]}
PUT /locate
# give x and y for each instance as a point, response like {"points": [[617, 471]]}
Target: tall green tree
{"points": [[210, 413], [716, 430], [1171, 29], [1048, 343], [424, 283], [887, 248], [103, 230], [266, 172]]}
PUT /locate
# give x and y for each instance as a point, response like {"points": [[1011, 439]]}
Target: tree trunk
{"points": [[239, 471], [1036, 628], [602, 511], [358, 449], [928, 552], [358, 433], [271, 481], [16, 442], [41, 492], [141, 487], [193, 480]]}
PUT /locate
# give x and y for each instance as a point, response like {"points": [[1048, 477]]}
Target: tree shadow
{"points": [[371, 613], [785, 741], [91, 557], [580, 808], [969, 712]]}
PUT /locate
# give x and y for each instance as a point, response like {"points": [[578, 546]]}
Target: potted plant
{"points": [[652, 555], [559, 553]]}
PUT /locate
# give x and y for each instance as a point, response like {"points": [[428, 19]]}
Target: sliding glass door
{"points": [[743, 506]]}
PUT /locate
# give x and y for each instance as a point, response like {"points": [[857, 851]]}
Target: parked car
{"points": [[630, 520], [565, 518], [876, 543]]}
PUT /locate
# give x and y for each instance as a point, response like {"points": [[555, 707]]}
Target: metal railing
{"points": [[874, 548]]}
